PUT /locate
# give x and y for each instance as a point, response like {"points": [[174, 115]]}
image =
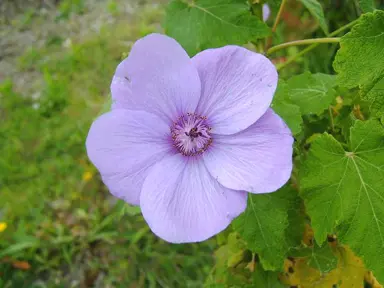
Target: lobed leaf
{"points": [[360, 59], [344, 191]]}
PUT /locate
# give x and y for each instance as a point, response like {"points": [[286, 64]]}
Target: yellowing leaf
{"points": [[349, 273], [87, 176], [371, 280], [351, 268]]}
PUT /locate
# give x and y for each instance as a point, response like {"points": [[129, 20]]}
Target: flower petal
{"points": [[158, 77], [123, 145], [182, 203], [237, 87], [257, 160]]}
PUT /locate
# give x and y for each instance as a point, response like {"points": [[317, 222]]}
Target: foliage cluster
{"points": [[309, 233]]}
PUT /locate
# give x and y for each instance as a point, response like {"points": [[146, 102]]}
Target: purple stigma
{"points": [[191, 134]]}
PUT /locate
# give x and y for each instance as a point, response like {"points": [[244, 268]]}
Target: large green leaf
{"points": [[203, 24], [264, 225], [360, 59], [344, 191], [317, 11], [313, 93], [283, 106]]}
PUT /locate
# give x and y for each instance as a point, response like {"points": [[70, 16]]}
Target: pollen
{"points": [[191, 134]]}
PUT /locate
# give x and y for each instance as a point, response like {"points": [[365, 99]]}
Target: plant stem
{"points": [[274, 27], [278, 16], [302, 42], [313, 46], [345, 27]]}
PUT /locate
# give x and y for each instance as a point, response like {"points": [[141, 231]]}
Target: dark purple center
{"points": [[191, 134]]}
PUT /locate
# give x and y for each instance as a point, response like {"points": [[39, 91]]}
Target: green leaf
{"points": [[286, 109], [265, 279], [296, 220], [367, 5], [320, 258], [375, 97], [316, 10], [202, 24], [313, 93], [263, 225], [344, 191], [360, 59]]}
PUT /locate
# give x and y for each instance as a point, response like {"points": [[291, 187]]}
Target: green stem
{"points": [[313, 46], [345, 27], [268, 41], [302, 42], [332, 121], [278, 16]]}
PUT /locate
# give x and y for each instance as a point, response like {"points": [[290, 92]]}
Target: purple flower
{"points": [[187, 137]]}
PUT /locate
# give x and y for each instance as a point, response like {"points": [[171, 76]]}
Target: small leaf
{"points": [[313, 93], [344, 191], [316, 10], [202, 24], [286, 109], [367, 5]]}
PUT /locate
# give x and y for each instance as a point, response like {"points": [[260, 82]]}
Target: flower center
{"points": [[191, 134]]}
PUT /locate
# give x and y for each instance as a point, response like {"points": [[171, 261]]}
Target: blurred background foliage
{"points": [[59, 227]]}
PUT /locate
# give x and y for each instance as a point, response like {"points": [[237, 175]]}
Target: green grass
{"points": [[61, 219]]}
